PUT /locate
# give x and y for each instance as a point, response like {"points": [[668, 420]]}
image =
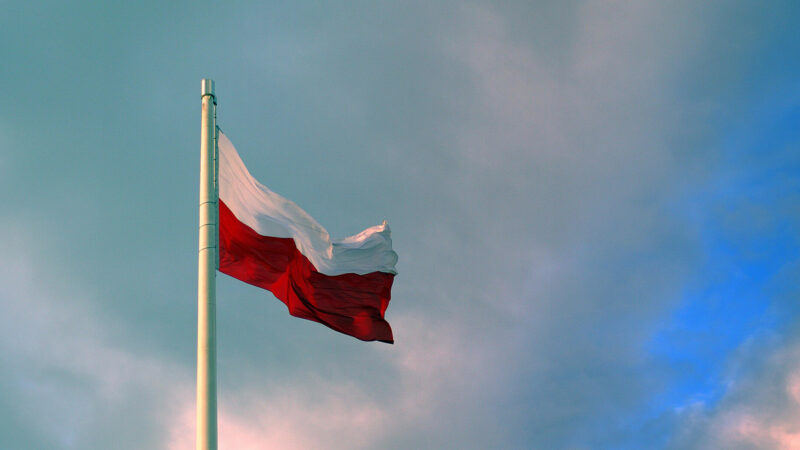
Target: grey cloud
{"points": [[526, 157]]}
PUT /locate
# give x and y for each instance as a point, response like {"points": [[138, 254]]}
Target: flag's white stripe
{"points": [[269, 214]]}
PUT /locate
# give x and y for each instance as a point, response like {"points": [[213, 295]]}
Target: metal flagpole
{"points": [[206, 276]]}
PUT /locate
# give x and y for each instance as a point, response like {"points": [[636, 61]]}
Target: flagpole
{"points": [[206, 438]]}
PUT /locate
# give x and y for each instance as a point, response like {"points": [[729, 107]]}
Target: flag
{"points": [[270, 242]]}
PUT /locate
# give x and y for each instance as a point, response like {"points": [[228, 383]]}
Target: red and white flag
{"points": [[268, 241]]}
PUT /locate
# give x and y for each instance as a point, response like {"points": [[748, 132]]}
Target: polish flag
{"points": [[268, 241]]}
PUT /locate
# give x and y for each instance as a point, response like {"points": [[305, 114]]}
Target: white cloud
{"points": [[760, 408], [535, 242], [309, 414], [431, 369], [60, 357]]}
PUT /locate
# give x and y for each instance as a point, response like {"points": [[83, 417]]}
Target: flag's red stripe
{"points": [[350, 303]]}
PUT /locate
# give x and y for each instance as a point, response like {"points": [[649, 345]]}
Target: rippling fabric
{"points": [[268, 241]]}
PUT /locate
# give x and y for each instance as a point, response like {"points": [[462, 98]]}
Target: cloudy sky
{"points": [[595, 206]]}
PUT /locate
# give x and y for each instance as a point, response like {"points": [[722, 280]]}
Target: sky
{"points": [[594, 204]]}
